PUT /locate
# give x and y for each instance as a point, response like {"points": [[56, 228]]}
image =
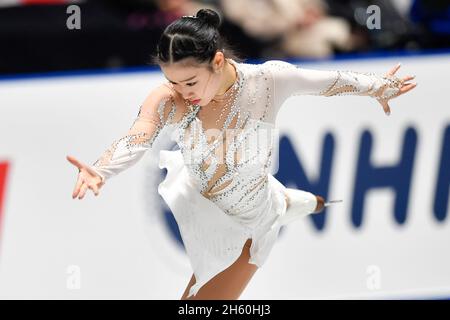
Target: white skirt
{"points": [[213, 239]]}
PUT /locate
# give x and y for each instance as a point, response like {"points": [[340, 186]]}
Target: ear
{"points": [[218, 61]]}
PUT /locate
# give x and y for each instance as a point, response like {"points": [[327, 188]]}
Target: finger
{"points": [[407, 88], [80, 165], [386, 108], [78, 184], [83, 189], [394, 69], [407, 78], [74, 161], [94, 189]]}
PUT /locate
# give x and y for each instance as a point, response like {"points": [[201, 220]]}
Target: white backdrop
{"points": [[119, 246]]}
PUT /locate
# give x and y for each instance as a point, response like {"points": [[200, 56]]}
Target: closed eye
{"points": [[191, 84]]}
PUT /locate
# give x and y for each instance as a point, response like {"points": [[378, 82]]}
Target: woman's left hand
{"points": [[405, 87]]}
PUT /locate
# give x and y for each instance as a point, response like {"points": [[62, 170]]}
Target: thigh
{"points": [[230, 283]]}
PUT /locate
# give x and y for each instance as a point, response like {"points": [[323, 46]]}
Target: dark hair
{"points": [[195, 37]]}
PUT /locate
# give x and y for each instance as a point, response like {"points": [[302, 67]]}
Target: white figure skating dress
{"points": [[221, 192]]}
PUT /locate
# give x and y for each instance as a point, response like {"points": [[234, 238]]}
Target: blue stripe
{"points": [[342, 57]]}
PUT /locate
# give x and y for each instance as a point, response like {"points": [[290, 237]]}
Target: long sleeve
{"points": [[157, 111], [289, 80]]}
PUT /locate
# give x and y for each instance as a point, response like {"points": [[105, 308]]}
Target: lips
{"points": [[195, 101]]}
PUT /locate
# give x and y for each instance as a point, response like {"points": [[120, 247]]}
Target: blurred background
{"points": [[73, 86], [122, 33]]}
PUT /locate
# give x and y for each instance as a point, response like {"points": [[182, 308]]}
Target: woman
{"points": [[228, 207]]}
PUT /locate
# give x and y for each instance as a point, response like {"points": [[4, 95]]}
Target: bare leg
{"points": [[230, 283]]}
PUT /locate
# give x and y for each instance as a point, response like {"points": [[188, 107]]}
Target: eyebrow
{"points": [[182, 80]]}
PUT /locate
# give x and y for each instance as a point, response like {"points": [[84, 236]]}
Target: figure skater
{"points": [[227, 205]]}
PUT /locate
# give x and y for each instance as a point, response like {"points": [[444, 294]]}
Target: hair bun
{"points": [[209, 16]]}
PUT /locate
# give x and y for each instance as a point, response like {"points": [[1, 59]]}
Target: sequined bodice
{"points": [[234, 163]]}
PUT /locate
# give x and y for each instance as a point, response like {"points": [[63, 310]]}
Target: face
{"points": [[195, 82]]}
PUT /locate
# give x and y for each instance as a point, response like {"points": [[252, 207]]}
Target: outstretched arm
{"points": [[156, 111], [290, 80]]}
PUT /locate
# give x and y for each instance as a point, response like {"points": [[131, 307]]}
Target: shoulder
{"points": [[162, 102], [165, 95], [163, 92], [170, 101], [266, 69], [274, 66]]}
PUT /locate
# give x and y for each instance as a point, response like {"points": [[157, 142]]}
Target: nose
{"points": [[188, 96]]}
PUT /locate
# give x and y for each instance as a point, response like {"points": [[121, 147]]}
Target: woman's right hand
{"points": [[87, 178]]}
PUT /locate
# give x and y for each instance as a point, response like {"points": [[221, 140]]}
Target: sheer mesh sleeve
{"points": [[157, 111], [290, 80]]}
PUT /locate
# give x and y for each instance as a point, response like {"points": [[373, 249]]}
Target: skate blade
{"points": [[328, 203]]}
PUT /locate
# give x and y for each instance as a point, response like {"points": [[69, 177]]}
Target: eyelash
{"points": [[189, 84]]}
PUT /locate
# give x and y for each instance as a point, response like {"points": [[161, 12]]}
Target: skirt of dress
{"points": [[213, 239]]}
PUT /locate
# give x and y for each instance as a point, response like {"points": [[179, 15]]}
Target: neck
{"points": [[228, 78]]}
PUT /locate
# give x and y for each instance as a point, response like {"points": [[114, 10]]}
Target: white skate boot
{"points": [[300, 204]]}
